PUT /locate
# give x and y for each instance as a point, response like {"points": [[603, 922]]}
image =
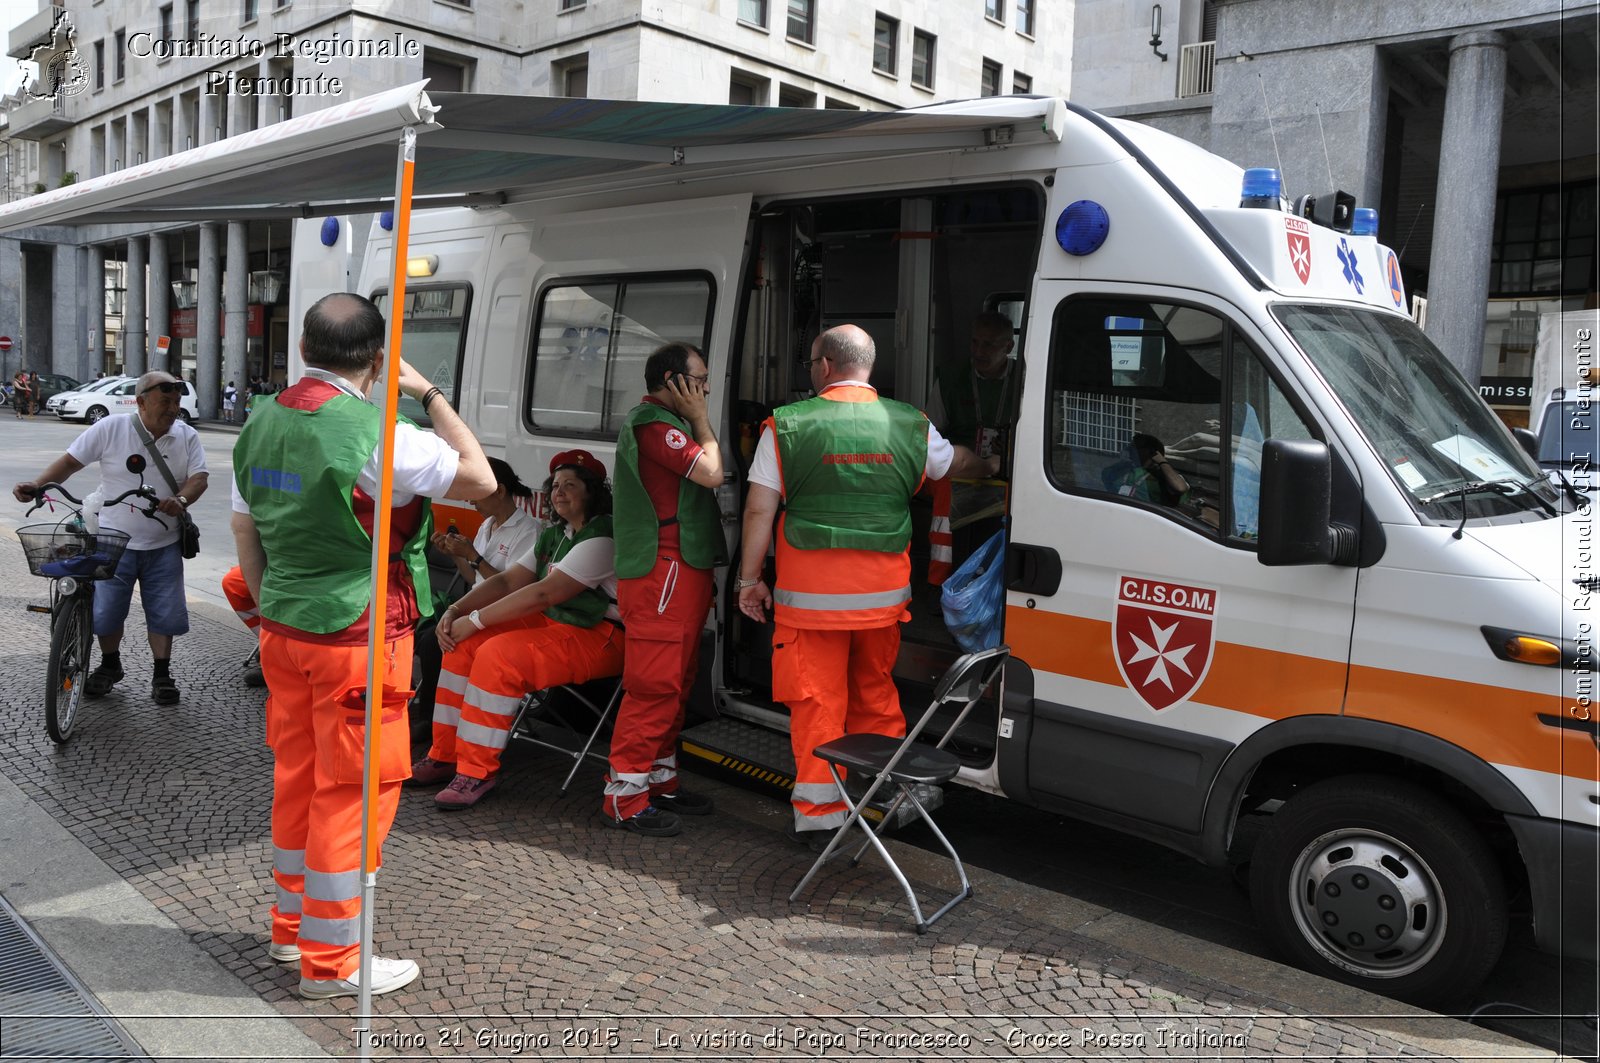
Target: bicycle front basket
{"points": [[56, 550]]}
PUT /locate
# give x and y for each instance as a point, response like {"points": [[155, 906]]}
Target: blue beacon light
{"points": [[1262, 188], [1082, 227], [330, 231], [386, 220], [1366, 222]]}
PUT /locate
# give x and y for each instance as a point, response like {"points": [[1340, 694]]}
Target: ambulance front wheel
{"points": [[1378, 883]]}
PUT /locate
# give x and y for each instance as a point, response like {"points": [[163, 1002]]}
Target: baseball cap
{"points": [[580, 458]]}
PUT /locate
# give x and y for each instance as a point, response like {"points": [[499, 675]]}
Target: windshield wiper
{"points": [[1508, 489]]}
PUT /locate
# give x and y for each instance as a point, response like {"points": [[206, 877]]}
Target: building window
{"points": [[748, 90], [995, 9], [839, 105], [99, 64], [446, 73], [753, 12], [191, 21], [570, 77], [121, 54], [572, 5], [989, 85], [1544, 241], [165, 30], [886, 45], [924, 48], [1021, 84], [250, 12], [802, 20], [790, 96], [1025, 17]]}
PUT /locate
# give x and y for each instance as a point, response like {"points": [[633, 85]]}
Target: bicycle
{"points": [[72, 557]]}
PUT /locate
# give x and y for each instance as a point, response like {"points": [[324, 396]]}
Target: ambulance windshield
{"points": [[1439, 441]]}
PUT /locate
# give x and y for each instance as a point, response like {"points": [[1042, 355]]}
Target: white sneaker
{"points": [[387, 976], [288, 953]]}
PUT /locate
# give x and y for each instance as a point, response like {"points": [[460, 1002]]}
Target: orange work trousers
{"points": [[665, 612], [316, 726], [238, 594], [835, 683], [482, 681]]}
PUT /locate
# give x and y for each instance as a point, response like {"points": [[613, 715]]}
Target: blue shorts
{"points": [[159, 573]]}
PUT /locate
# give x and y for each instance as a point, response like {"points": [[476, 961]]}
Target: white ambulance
{"points": [[1364, 620]]}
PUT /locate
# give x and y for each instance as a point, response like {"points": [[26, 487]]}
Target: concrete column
{"points": [[92, 337], [235, 292], [208, 301], [1469, 169], [13, 296], [160, 309], [134, 338]]}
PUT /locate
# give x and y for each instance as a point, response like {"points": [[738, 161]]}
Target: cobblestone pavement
{"points": [[543, 934]]}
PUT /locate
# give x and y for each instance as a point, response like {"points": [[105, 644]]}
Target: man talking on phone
{"points": [[668, 540]]}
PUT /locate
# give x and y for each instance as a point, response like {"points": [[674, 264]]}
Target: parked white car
{"points": [[113, 395]]}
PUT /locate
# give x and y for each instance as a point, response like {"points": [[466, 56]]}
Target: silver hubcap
{"points": [[1368, 903]]}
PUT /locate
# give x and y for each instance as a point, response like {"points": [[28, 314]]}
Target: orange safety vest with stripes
{"points": [[849, 462]]}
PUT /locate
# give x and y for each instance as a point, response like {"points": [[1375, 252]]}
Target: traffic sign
{"points": [[5, 343]]}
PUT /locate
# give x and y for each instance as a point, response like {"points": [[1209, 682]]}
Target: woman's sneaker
{"points": [[464, 791], [387, 976], [428, 771]]}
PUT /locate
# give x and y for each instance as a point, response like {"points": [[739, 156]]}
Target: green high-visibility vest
{"points": [[638, 539], [588, 607], [849, 468], [297, 469]]}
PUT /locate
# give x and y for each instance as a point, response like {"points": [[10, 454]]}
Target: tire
{"points": [[95, 413], [70, 640], [1378, 883], [183, 415]]}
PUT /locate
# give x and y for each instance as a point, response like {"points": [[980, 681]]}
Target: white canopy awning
{"points": [[484, 148]]}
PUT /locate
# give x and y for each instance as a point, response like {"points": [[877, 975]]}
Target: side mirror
{"points": [[1296, 503], [1529, 442]]}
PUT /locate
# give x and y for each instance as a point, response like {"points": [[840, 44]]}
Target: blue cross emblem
{"points": [[1347, 257]]}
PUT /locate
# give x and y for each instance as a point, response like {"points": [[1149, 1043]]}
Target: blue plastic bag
{"points": [[974, 597]]}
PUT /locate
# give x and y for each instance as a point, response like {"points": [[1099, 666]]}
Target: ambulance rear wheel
{"points": [[1380, 884]]}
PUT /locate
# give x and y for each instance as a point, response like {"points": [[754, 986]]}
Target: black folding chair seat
{"points": [[905, 764]]}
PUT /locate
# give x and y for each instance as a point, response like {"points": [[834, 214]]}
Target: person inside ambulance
{"points": [[1147, 475], [548, 620]]}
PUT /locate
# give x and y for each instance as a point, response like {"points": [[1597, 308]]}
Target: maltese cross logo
{"points": [[1162, 638], [1299, 233]]}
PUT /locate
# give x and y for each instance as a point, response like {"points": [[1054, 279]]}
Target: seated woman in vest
{"points": [[548, 619]]}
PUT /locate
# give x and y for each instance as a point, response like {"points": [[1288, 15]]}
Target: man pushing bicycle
{"points": [[154, 558]]}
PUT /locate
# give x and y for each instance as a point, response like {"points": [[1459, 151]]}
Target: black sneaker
{"points": [[652, 823], [684, 803], [102, 679]]}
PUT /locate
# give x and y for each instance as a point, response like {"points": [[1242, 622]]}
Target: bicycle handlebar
{"points": [[143, 491]]}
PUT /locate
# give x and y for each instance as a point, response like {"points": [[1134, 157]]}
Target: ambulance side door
{"points": [[1164, 643]]}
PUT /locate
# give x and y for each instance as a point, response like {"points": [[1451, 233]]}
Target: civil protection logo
{"points": [[1162, 638], [61, 69], [1397, 289]]}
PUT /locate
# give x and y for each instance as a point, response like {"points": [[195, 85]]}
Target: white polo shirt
{"points": [[110, 441]]}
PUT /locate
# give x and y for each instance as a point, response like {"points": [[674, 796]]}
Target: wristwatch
{"points": [[475, 562], [184, 502], [741, 583]]}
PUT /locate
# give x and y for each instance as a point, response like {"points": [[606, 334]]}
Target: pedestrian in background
{"points": [[154, 555], [305, 486]]}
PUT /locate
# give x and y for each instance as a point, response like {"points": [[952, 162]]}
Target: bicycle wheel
{"points": [[70, 638]]}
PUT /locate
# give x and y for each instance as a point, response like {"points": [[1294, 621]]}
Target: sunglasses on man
{"points": [[166, 387]]}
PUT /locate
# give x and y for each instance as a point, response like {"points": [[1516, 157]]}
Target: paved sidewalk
{"points": [[140, 852]]}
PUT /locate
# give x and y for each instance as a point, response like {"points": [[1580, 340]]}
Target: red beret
{"points": [[580, 458]]}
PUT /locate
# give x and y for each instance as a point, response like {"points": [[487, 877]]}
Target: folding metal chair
{"points": [[537, 721], [906, 763]]}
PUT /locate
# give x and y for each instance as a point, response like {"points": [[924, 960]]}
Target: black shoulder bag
{"points": [[188, 530]]}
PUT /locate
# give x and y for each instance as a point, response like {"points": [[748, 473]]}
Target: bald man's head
{"points": [[343, 332]]}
